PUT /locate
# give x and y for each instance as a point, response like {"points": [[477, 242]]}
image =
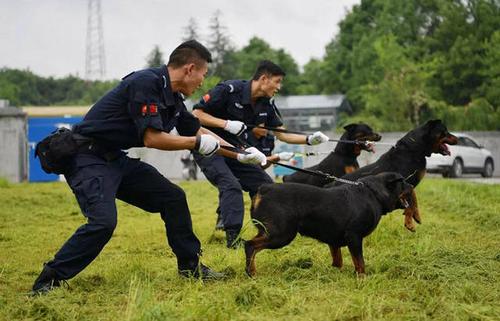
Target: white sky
{"points": [[49, 36]]}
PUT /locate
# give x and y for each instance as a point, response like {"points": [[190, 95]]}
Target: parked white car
{"points": [[466, 156]]}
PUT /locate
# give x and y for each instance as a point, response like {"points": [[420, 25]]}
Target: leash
{"points": [[303, 170], [282, 130]]}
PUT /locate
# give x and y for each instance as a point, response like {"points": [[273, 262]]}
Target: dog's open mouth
{"points": [[367, 142], [449, 139], [443, 149], [370, 147]]}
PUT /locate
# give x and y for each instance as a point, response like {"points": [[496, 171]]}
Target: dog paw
{"points": [[416, 217], [411, 227], [250, 273], [361, 276]]}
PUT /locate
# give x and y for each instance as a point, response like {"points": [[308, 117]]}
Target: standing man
{"points": [[141, 111], [227, 109]]}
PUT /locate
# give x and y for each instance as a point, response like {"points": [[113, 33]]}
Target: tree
{"points": [[155, 57], [219, 45], [490, 88], [247, 59], [191, 30]]}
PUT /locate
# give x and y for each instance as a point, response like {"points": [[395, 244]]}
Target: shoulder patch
{"points": [[206, 98]]}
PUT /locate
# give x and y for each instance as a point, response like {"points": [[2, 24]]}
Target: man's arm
{"points": [[160, 140], [290, 138], [233, 126], [312, 139], [208, 120]]}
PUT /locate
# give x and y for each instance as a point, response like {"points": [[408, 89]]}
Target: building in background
{"points": [[308, 112], [13, 143], [312, 112]]}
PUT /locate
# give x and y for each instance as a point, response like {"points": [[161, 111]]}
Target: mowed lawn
{"points": [[448, 270]]}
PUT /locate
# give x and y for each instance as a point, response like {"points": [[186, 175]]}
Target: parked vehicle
{"points": [[465, 157]]}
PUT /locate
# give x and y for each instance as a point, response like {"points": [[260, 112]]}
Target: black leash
{"points": [[282, 130], [303, 170]]}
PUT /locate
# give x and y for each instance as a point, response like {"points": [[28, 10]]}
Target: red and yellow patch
{"points": [[206, 98], [151, 109]]}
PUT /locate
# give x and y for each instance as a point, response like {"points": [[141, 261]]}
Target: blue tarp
{"points": [[38, 129]]}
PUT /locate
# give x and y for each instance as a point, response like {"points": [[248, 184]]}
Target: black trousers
{"points": [[96, 184], [231, 177]]}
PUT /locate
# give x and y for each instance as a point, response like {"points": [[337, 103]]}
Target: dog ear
{"points": [[393, 181], [433, 122], [350, 127]]}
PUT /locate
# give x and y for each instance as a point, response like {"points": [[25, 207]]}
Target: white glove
{"points": [[254, 156], [316, 138], [285, 156], [206, 145], [235, 127]]}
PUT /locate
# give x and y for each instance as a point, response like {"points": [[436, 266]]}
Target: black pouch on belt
{"points": [[56, 150]]}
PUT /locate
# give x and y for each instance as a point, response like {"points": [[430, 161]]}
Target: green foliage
{"points": [[247, 59], [209, 83], [399, 63], [398, 60], [22, 88], [447, 270], [478, 115], [220, 46], [155, 57], [191, 30]]}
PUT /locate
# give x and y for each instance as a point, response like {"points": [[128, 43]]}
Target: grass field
{"points": [[448, 270]]}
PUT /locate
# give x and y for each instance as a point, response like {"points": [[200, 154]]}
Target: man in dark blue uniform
{"points": [[227, 109], [140, 111]]}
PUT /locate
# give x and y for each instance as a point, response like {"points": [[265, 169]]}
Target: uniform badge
{"points": [[238, 105], [151, 109], [206, 98]]}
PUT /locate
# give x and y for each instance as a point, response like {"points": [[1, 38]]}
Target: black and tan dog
{"points": [[342, 160], [338, 216], [408, 159]]}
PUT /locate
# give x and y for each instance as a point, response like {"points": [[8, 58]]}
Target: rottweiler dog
{"points": [[342, 160], [338, 216], [408, 159]]}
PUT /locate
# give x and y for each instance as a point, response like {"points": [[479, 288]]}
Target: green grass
{"points": [[448, 270]]}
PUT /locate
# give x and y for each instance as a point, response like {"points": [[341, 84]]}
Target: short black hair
{"points": [[190, 51], [267, 67]]}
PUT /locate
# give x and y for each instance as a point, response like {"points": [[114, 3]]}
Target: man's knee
{"points": [[176, 194], [105, 226], [229, 185]]}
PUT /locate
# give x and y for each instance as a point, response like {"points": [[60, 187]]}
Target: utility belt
{"points": [[57, 150], [94, 148]]}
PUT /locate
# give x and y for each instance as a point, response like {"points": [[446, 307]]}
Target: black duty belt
{"points": [[88, 145]]}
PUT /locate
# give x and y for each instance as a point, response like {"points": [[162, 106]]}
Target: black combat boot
{"points": [[46, 281], [233, 241], [200, 271]]}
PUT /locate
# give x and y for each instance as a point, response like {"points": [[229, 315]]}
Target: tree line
{"points": [[398, 62]]}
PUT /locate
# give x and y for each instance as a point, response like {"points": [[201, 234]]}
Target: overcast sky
{"points": [[49, 36]]}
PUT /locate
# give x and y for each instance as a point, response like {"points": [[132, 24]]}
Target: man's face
{"points": [[271, 84], [195, 74]]}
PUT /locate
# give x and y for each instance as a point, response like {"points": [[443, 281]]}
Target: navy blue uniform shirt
{"points": [[265, 144], [142, 99], [231, 100]]}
